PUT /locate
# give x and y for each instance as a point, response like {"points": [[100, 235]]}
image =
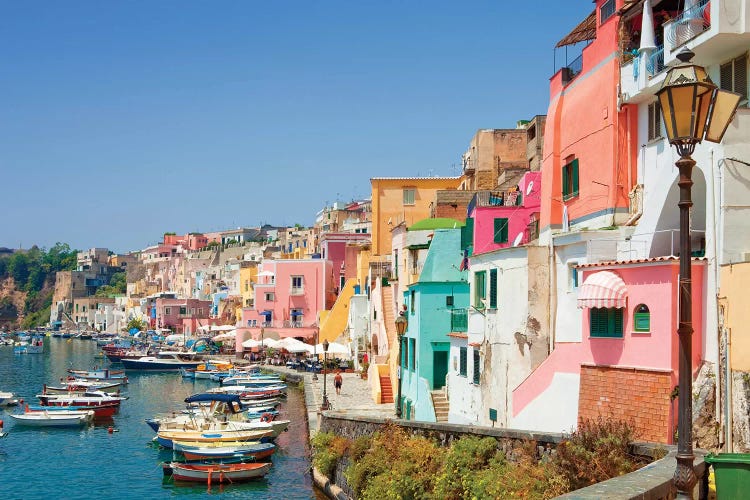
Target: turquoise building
{"points": [[436, 305]]}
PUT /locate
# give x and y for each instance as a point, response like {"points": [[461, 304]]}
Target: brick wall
{"points": [[634, 395]]}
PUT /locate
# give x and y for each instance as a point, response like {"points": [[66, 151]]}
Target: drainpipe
{"points": [[552, 294], [715, 223], [729, 424]]}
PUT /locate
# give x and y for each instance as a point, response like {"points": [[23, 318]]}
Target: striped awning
{"points": [[603, 289]]}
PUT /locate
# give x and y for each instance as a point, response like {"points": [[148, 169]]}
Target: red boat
{"points": [[95, 398], [102, 410]]}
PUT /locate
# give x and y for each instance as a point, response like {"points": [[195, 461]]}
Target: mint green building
{"points": [[436, 305]]}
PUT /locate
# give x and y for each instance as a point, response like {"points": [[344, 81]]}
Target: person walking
{"points": [[337, 382]]}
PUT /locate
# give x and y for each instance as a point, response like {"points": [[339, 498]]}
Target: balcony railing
{"points": [[573, 69], [297, 290], [655, 62], [691, 23], [459, 320]]}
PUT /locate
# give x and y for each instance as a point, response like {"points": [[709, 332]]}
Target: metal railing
{"points": [[575, 67], [655, 61], [689, 24], [297, 290], [459, 320]]}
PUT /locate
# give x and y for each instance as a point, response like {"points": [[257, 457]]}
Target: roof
{"points": [[457, 335], [436, 178], [585, 31], [435, 223], [668, 258]]}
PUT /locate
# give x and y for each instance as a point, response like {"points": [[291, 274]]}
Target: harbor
{"points": [[115, 456]]}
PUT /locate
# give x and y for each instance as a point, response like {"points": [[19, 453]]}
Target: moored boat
{"points": [[54, 418], [166, 438], [164, 361], [102, 410], [249, 451], [8, 399], [219, 473]]}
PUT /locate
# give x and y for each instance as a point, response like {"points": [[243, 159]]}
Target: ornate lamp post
{"points": [[693, 109], [325, 404], [401, 324]]}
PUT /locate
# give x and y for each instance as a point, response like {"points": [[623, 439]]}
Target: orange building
{"points": [[402, 199], [589, 141]]}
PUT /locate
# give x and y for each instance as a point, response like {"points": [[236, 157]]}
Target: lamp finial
{"points": [[685, 55]]}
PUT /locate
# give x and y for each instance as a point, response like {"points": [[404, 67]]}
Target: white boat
{"points": [[54, 419], [165, 360], [8, 399]]}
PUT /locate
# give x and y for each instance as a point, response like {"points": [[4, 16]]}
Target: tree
{"points": [[18, 268], [136, 323]]}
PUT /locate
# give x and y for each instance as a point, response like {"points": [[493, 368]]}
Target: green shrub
{"points": [[327, 451]]}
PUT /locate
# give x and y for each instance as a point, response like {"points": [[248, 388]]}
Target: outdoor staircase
{"points": [[388, 314], [386, 391], [440, 403]]}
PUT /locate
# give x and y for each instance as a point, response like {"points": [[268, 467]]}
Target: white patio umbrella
{"points": [[334, 348], [293, 345], [252, 343], [225, 336], [222, 328], [175, 337]]}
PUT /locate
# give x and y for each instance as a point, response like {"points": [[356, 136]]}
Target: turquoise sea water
{"points": [[92, 463]]}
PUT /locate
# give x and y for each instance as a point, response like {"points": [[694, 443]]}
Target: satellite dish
{"points": [[518, 239], [529, 187]]}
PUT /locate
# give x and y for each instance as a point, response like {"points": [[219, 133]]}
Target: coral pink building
{"points": [[288, 296], [181, 315]]}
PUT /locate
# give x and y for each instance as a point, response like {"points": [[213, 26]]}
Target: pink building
{"points": [[625, 365], [333, 247], [190, 241], [505, 218], [288, 296], [181, 315]]}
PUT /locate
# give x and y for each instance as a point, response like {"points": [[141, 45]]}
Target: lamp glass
{"points": [[724, 106], [701, 119]]}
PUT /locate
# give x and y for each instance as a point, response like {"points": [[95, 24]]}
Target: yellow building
{"points": [[248, 278], [402, 199], [735, 310]]}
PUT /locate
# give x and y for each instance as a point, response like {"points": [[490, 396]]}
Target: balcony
{"points": [[297, 290], [689, 24], [459, 320]]}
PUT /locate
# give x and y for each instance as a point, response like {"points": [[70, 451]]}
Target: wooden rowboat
{"points": [[219, 473], [54, 418], [250, 451]]}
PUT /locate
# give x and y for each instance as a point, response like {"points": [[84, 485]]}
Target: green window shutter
{"points": [[467, 234], [462, 361], [565, 181], [598, 326], [501, 230], [480, 289], [617, 330], [493, 288], [642, 322], [476, 366], [574, 166]]}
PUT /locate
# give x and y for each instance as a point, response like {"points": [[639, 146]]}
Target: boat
{"points": [[80, 386], [246, 450], [230, 433], [99, 374], [163, 361], [93, 398], [102, 410], [219, 473], [54, 418], [8, 399]]}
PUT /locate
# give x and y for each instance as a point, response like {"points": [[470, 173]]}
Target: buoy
{"points": [[1, 424], [110, 430]]}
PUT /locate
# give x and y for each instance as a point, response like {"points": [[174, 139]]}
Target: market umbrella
{"points": [[293, 345], [226, 336], [222, 328], [334, 348]]}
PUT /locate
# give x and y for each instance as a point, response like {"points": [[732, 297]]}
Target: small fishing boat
{"points": [[248, 450], [165, 438], [97, 374], [219, 473], [102, 410], [93, 398], [8, 399], [164, 361], [54, 418], [80, 386]]}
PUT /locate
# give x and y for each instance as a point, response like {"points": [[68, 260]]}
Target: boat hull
{"points": [[53, 419], [219, 473]]}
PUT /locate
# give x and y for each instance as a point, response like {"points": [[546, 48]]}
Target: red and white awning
{"points": [[603, 289]]}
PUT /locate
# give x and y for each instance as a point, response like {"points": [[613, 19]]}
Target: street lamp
{"points": [[325, 404], [315, 354], [693, 109], [401, 324]]}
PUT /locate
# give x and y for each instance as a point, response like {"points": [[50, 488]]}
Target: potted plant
{"points": [[363, 372]]}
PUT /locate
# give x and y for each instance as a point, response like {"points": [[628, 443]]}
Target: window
{"points": [[413, 354], [449, 301], [573, 275], [409, 195], [404, 353], [606, 11], [642, 319], [493, 288], [167, 310], [462, 361], [605, 322], [501, 230], [297, 285], [654, 121], [476, 366], [570, 180], [269, 296], [733, 77], [183, 310], [480, 290], [413, 297], [296, 316]]}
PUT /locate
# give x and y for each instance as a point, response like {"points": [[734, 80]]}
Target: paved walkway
{"points": [[355, 397]]}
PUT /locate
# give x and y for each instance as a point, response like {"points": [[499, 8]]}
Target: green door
{"points": [[439, 368]]}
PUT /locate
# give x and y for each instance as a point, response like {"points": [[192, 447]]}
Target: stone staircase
{"points": [[440, 403], [386, 391], [388, 315]]}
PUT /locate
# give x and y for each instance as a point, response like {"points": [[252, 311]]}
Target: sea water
{"points": [[92, 462]]}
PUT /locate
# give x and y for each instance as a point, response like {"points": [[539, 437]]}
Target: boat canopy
{"points": [[224, 398]]}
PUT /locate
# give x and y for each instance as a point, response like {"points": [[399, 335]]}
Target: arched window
{"points": [[641, 319]]}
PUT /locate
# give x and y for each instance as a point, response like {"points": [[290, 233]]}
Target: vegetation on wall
{"points": [[395, 464], [118, 285]]}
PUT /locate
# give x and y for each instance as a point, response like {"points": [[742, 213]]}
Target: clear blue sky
{"points": [[122, 120]]}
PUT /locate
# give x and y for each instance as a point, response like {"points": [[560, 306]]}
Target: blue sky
{"points": [[123, 120]]}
